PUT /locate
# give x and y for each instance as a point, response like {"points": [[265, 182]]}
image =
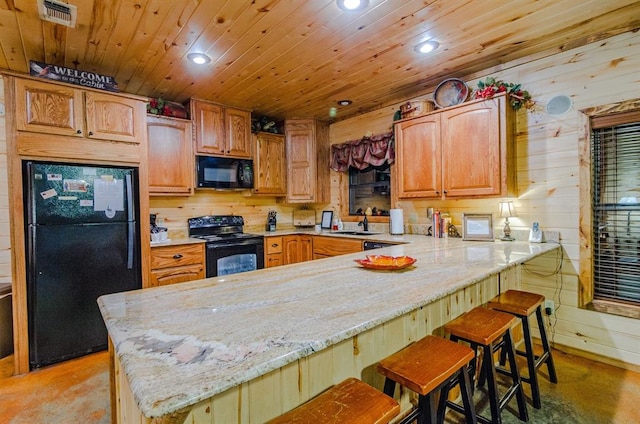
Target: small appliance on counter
{"points": [[304, 218]]}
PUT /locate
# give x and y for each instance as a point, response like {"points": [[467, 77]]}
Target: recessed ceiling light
{"points": [[344, 102], [352, 5], [426, 46], [199, 58]]}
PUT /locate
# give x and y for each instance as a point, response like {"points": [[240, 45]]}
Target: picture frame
{"points": [[327, 218], [477, 227]]}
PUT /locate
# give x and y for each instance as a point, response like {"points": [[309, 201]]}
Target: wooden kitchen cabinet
{"points": [[297, 248], [49, 108], [238, 132], [308, 147], [324, 246], [170, 155], [273, 251], [177, 264], [269, 164], [285, 250], [220, 131], [418, 157], [463, 151]]}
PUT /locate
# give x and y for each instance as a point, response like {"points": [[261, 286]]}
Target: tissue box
{"points": [[304, 218]]}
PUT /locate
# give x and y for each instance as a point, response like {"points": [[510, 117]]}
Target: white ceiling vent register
{"points": [[58, 12]]}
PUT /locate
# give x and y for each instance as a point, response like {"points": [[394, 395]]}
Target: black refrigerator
{"points": [[81, 230]]}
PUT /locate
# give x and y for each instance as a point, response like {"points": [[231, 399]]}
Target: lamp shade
{"points": [[507, 210]]}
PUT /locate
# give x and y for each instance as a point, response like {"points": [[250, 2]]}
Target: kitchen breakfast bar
{"points": [[247, 347]]}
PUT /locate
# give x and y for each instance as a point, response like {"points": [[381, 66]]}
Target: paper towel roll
{"points": [[396, 221]]}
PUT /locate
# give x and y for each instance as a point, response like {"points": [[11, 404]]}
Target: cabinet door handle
{"points": [[90, 132], [177, 256], [445, 191], [78, 131]]}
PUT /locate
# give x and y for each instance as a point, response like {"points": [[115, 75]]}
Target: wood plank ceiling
{"points": [[286, 58]]}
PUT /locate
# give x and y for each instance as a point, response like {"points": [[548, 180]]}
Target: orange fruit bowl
{"points": [[384, 262]]}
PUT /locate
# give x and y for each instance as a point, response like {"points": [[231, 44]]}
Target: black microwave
{"points": [[224, 173]]}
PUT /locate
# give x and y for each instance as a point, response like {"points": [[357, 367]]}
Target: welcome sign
{"points": [[73, 76]]}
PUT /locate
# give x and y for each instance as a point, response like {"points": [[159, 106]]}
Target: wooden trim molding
{"points": [[590, 118]]}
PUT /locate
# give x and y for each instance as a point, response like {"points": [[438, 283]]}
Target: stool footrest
{"points": [[460, 409]]}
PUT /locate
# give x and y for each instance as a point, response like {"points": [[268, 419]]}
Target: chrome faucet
{"points": [[364, 224]]}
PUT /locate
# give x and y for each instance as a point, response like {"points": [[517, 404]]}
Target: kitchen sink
{"points": [[356, 233]]}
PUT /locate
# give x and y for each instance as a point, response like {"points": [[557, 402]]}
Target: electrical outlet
{"points": [[549, 307], [551, 236]]}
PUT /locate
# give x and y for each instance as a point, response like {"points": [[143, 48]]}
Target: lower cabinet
{"points": [[177, 264], [297, 248], [291, 249], [285, 250], [325, 247], [272, 251]]}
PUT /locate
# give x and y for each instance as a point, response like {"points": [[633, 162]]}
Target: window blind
{"points": [[615, 159]]}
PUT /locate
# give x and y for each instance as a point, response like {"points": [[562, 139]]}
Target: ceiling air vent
{"points": [[58, 12]]}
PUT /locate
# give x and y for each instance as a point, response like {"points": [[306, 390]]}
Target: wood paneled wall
{"points": [[5, 237], [548, 178], [254, 209]]}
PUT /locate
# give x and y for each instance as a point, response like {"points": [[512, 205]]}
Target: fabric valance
{"points": [[374, 150]]}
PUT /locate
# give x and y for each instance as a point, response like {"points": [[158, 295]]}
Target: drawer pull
{"points": [[274, 245], [177, 256]]}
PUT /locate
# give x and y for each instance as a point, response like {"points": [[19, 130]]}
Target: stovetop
{"points": [[227, 237], [219, 228]]}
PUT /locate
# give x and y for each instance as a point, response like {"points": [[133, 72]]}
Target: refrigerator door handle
{"points": [[131, 233], [131, 228], [130, 211]]}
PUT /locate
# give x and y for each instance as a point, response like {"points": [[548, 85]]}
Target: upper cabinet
{"points": [[269, 164], [43, 107], [418, 158], [171, 166], [307, 161], [221, 131], [463, 151]]}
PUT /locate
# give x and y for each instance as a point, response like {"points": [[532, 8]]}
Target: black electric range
{"points": [[229, 249]]}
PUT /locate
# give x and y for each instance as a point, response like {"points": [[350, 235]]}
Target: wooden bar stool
{"points": [[523, 305], [428, 366], [349, 402], [491, 330]]}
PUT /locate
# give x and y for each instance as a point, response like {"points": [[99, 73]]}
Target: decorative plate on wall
{"points": [[450, 92]]}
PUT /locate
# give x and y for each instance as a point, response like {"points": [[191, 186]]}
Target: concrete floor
{"points": [[77, 391]]}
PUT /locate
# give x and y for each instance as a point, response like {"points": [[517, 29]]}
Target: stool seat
{"points": [[480, 325], [516, 302], [427, 366], [524, 304], [349, 402]]}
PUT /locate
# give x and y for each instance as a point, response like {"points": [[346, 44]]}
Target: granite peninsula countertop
{"points": [[187, 342]]}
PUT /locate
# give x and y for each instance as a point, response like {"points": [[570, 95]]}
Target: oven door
{"points": [[231, 258]]}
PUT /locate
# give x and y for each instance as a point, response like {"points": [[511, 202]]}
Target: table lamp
{"points": [[507, 210]]}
